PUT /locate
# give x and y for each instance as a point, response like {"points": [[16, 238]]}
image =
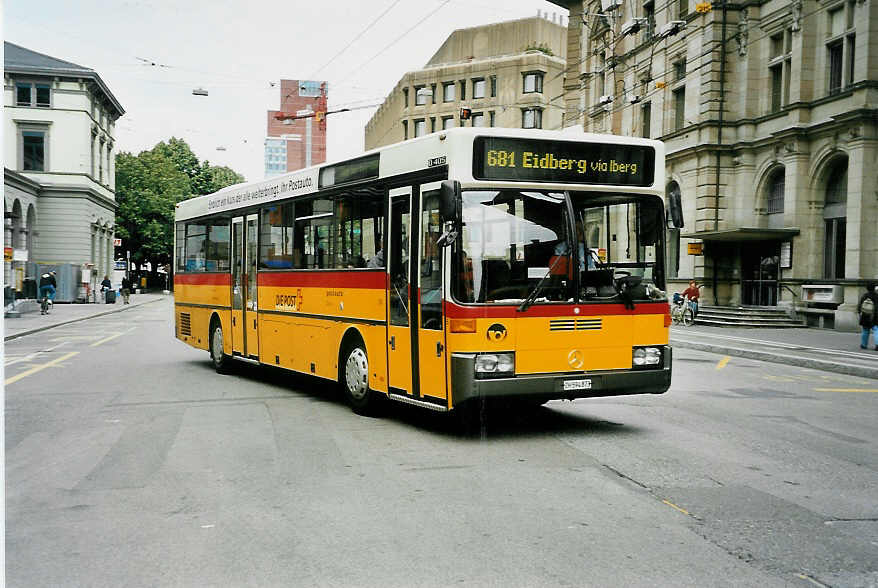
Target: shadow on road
{"points": [[493, 420]]}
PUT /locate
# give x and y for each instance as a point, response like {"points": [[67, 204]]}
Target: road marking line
{"points": [[674, 506], [722, 363], [111, 337], [812, 580], [846, 389], [38, 368]]}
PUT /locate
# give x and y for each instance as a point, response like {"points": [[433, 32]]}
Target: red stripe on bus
{"points": [[552, 310], [374, 280], [194, 279]]}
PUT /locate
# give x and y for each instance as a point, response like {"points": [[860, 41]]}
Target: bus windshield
{"points": [[517, 245]]}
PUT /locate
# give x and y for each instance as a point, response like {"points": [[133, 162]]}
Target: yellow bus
{"points": [[471, 263]]}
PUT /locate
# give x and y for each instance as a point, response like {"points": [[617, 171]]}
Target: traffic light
{"points": [[465, 113], [319, 115], [660, 85], [703, 7]]}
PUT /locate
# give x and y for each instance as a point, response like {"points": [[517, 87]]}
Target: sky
{"points": [[152, 53]]}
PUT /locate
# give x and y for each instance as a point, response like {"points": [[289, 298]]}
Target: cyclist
{"points": [[692, 293], [48, 286]]}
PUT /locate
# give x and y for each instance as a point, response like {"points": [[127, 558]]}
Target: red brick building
{"points": [[299, 143]]}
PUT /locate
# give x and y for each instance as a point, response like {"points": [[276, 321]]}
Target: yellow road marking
{"points": [[674, 506], [722, 363], [38, 368], [846, 389], [111, 337]]}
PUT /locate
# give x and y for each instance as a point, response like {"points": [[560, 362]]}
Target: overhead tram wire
{"points": [[398, 39], [354, 40]]}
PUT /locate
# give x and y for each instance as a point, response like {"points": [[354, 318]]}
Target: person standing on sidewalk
{"points": [[867, 308]]}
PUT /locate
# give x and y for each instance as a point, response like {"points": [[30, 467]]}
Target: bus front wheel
{"points": [[220, 360], [354, 378]]}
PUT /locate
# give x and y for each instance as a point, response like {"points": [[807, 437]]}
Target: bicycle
{"points": [[681, 311]]}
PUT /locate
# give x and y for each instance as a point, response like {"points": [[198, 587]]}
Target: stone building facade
{"points": [[769, 111], [59, 176], [507, 74]]}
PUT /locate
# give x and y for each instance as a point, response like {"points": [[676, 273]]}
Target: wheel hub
{"points": [[357, 373]]}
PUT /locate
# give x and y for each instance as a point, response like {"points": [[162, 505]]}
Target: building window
{"points": [[491, 119], [835, 219], [835, 51], [493, 86], [531, 118], [683, 8], [420, 96], [463, 89], [533, 82], [649, 17], [478, 88], [448, 94], [447, 122], [420, 127], [33, 150], [405, 130], [851, 52], [646, 119], [680, 70], [776, 87], [478, 119], [679, 108], [28, 94], [776, 192], [405, 97], [433, 92]]}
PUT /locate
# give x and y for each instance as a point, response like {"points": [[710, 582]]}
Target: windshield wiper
{"points": [[531, 298]]}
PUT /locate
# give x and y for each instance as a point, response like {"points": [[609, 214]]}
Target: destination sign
{"points": [[529, 160]]}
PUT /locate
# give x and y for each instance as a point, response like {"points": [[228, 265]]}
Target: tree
{"points": [[149, 185]]}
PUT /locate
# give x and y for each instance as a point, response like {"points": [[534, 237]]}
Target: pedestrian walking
{"points": [[106, 287], [126, 289], [867, 309]]}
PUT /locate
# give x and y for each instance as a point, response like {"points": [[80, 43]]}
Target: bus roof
{"points": [[451, 147]]}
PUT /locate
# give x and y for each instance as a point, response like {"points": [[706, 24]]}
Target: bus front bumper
{"points": [[464, 385]]}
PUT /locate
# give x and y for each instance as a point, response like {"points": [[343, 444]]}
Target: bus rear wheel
{"points": [[354, 378], [221, 361]]}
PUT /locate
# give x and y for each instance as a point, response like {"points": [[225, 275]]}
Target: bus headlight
{"points": [[646, 356], [494, 365]]}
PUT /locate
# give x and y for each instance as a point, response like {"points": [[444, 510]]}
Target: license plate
{"points": [[577, 384]]}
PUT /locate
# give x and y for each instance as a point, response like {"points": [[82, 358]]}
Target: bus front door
{"points": [[399, 349], [430, 329], [238, 285], [251, 305]]}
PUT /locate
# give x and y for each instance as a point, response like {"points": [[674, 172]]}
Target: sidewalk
{"points": [[62, 314], [821, 349]]}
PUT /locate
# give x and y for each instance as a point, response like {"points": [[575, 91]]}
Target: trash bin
{"points": [[110, 296]]}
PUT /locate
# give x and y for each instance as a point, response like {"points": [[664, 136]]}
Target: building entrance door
{"points": [[760, 263]]}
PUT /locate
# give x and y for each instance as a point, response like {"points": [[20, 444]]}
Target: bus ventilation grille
{"points": [[185, 324], [575, 325]]}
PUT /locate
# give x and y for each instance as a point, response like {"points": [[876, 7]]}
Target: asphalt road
{"points": [[130, 462]]}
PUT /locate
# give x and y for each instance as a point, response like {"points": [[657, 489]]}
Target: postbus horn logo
{"points": [[496, 332]]}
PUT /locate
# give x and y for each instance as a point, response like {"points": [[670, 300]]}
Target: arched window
{"points": [[673, 252], [834, 220], [776, 185]]}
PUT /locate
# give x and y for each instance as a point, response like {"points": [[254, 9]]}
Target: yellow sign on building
{"points": [[695, 248]]}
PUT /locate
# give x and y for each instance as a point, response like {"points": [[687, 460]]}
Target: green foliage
{"points": [[149, 184], [543, 47]]}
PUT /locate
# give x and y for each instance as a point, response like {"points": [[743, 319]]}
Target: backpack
{"points": [[867, 308]]}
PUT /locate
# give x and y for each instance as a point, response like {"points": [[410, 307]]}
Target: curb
{"points": [[806, 362], [76, 320]]}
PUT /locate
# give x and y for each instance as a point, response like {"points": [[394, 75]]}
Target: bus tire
{"points": [[220, 360], [354, 379]]}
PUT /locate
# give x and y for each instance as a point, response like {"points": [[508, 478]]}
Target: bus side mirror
{"points": [[675, 208], [449, 200]]}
